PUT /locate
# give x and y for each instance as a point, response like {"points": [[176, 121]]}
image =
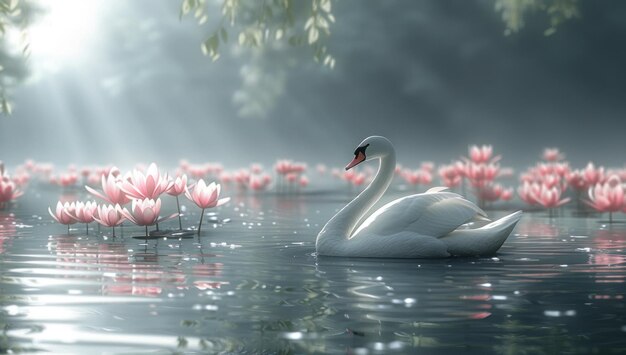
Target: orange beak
{"points": [[356, 161]]}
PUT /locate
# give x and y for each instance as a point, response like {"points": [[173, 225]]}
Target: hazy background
{"points": [[433, 76]]}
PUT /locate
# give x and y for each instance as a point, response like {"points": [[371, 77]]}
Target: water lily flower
{"points": [[68, 179], [507, 194], [528, 191], [205, 197], [607, 197], [592, 174], [63, 213], [109, 216], [550, 197], [145, 213], [84, 212], [552, 155], [8, 190], [492, 192], [450, 176], [142, 186], [304, 181], [256, 168], [178, 188], [576, 180], [482, 173], [111, 187], [416, 177], [482, 155], [259, 183], [359, 179]]}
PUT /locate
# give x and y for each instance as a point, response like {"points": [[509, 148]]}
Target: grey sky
{"points": [[433, 76]]}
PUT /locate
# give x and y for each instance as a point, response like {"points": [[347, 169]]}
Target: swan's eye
{"points": [[361, 150]]}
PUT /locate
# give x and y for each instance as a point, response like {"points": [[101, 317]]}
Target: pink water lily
{"points": [[63, 213], [111, 187], [145, 213], [495, 192], [8, 190], [450, 176], [359, 179], [304, 181], [550, 197], [552, 155], [480, 155], [109, 216], [576, 180], [68, 179], [528, 191], [178, 188], [607, 197], [593, 175], [84, 212], [205, 197], [142, 186], [259, 182]]}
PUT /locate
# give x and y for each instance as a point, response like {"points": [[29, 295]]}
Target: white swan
{"points": [[427, 225]]}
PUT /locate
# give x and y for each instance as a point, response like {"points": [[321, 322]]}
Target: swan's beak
{"points": [[359, 158]]}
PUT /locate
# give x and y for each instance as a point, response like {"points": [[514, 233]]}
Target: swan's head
{"points": [[373, 147]]}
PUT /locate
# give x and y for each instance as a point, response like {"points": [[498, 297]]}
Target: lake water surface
{"points": [[252, 283]]}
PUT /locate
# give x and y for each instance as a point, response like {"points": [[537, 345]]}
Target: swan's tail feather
{"points": [[437, 189], [485, 240]]}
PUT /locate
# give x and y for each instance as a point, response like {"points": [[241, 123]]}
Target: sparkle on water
{"points": [[252, 282]]}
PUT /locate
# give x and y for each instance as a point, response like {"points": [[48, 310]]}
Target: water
{"points": [[255, 285]]}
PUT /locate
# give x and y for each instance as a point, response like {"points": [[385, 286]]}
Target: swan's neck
{"points": [[343, 224]]}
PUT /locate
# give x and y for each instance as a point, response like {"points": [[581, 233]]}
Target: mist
{"points": [[432, 76]]}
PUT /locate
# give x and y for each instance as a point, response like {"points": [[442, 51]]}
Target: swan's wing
{"points": [[431, 214], [436, 189]]}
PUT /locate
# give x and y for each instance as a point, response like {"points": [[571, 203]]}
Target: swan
{"points": [[433, 224]]}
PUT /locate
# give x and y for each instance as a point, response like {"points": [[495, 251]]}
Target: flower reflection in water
{"points": [[8, 230], [537, 229], [203, 274], [607, 265], [118, 269]]}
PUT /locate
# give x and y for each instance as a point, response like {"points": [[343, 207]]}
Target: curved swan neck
{"points": [[343, 224]]}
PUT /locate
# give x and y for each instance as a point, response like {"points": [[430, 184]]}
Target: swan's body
{"points": [[427, 225]]}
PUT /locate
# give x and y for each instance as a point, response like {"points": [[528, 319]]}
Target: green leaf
{"points": [[6, 106], [314, 35], [185, 7], [214, 42], [325, 5], [224, 35], [279, 34], [209, 47], [309, 22]]}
